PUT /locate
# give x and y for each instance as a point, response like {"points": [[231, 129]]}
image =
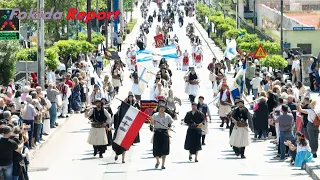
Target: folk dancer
{"points": [[132, 102], [204, 109], [194, 49], [135, 85], [192, 86], [65, 93], [212, 76], [185, 61], [171, 103], [96, 94], [178, 60], [198, 59], [225, 104], [133, 60], [116, 121], [160, 92], [240, 134], [128, 58], [194, 119], [116, 77], [161, 142], [97, 136]]}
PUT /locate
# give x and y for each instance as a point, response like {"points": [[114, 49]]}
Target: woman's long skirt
{"points": [[109, 136], [115, 147], [193, 140], [97, 137], [240, 137], [161, 143]]}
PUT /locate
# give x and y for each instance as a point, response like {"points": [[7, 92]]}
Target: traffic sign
{"points": [[260, 52], [303, 28], [7, 24]]}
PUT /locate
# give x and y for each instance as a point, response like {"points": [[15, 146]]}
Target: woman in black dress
{"points": [[115, 147]]}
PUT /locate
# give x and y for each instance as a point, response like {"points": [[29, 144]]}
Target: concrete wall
{"points": [[303, 37], [273, 15]]}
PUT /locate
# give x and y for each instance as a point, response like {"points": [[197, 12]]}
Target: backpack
{"points": [[316, 121]]}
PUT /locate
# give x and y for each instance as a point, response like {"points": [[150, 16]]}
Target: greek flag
{"points": [[231, 50], [238, 86], [144, 77], [168, 52]]}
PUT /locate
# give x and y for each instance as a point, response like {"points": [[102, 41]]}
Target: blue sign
{"points": [[303, 28], [286, 45]]}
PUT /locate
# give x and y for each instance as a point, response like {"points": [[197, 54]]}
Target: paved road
{"points": [[68, 156]]}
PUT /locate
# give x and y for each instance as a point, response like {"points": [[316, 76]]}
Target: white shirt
{"points": [[311, 115], [185, 54], [198, 52], [224, 96], [303, 148], [255, 82], [296, 65]]}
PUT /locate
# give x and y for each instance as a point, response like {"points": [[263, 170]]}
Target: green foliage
{"points": [[51, 58], [81, 37], [8, 50], [85, 46], [127, 5], [97, 39], [28, 54], [131, 25], [274, 61], [234, 33]]}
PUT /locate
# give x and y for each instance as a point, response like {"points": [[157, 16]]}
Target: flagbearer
{"points": [[161, 143], [185, 61], [97, 136]]}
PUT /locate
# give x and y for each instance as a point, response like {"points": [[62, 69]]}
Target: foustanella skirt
{"points": [[240, 137], [97, 137]]}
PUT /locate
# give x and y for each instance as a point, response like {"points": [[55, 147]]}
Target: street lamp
{"points": [[281, 27]]}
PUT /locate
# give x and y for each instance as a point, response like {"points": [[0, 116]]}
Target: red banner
{"points": [[159, 40], [147, 106]]}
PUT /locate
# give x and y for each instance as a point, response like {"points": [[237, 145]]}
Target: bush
{"points": [[51, 58], [8, 51], [98, 39], [274, 61], [27, 54]]}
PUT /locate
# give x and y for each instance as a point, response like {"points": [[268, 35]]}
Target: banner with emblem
{"points": [[159, 40]]}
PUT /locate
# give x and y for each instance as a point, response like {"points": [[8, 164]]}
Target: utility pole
{"points": [[254, 16], [77, 22], [237, 14], [40, 55], [89, 24], [281, 27], [107, 25], [97, 11], [121, 16], [68, 24]]}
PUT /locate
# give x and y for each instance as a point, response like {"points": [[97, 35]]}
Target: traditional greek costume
{"points": [[185, 61], [198, 59]]}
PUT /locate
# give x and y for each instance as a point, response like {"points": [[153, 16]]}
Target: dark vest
{"points": [[193, 76], [204, 110], [98, 115]]}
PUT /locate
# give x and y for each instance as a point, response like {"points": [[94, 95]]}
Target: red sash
{"points": [[185, 61], [198, 58]]}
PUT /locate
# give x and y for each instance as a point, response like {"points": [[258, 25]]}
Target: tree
{"points": [[51, 58], [67, 49], [27, 54], [8, 50]]}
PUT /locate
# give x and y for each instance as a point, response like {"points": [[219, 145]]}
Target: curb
{"points": [[311, 169], [57, 129]]}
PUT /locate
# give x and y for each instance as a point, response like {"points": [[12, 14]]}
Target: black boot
{"points": [[203, 138]]}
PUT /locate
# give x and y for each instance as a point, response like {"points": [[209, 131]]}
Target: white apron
{"points": [[240, 137], [97, 137]]}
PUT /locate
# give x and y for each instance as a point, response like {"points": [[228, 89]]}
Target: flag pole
{"points": [[148, 116]]}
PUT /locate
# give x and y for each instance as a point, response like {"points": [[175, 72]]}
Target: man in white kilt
{"points": [[204, 109], [192, 84], [240, 136], [99, 118]]}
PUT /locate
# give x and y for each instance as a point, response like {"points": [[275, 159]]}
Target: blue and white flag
{"points": [[238, 86], [144, 77], [231, 50], [168, 52]]}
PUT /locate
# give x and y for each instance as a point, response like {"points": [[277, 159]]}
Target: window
{"points": [[305, 48]]}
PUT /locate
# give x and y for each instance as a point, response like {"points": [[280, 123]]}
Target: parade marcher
{"points": [[171, 103], [240, 134], [133, 60], [116, 77], [167, 110], [135, 85], [194, 119], [194, 49], [96, 94], [204, 109], [224, 104], [128, 58], [132, 102], [198, 59], [115, 147], [178, 60], [161, 143], [185, 61], [192, 86], [212, 75], [97, 136]]}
